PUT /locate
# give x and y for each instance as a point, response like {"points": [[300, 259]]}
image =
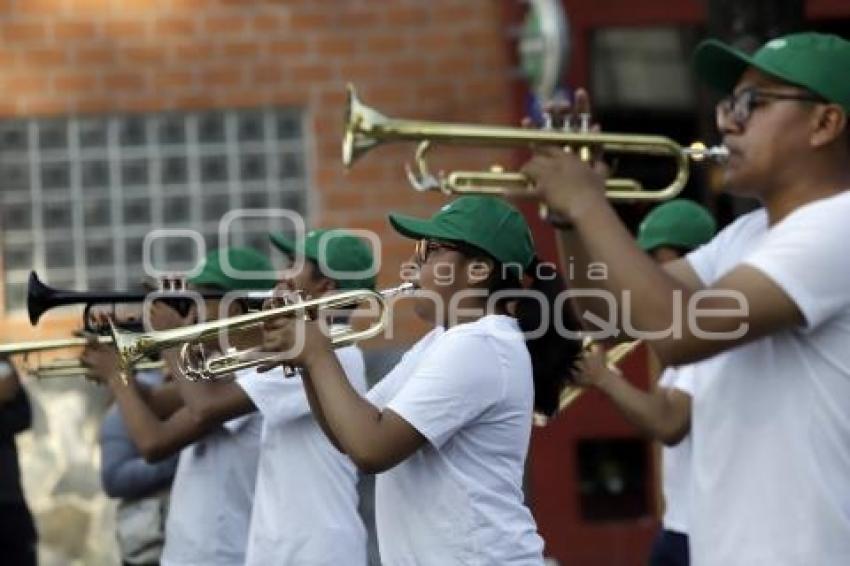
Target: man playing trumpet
{"points": [[769, 302]]}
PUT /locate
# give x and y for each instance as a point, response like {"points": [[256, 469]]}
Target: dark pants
{"points": [[669, 549], [17, 536]]}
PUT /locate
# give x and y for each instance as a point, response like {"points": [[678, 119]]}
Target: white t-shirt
{"points": [[210, 507], [459, 499], [771, 424], [676, 460], [305, 506]]}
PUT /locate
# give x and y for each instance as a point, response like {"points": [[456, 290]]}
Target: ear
{"points": [[192, 314], [830, 122], [325, 285], [478, 270], [235, 308]]}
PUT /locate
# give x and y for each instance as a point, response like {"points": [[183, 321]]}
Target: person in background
{"points": [[18, 536], [142, 488], [213, 489], [669, 232], [766, 302]]}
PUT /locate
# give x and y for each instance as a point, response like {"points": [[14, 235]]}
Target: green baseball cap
{"points": [[232, 269], [340, 255], [488, 223], [679, 224], [815, 61]]}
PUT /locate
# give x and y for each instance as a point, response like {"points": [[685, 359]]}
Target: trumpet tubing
{"points": [[366, 128], [15, 348], [74, 368]]}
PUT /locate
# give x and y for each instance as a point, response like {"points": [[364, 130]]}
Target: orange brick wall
{"points": [[427, 59]]}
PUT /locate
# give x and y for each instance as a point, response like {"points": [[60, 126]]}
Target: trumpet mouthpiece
{"points": [[698, 151]]}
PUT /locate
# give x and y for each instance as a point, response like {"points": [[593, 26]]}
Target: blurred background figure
{"points": [[663, 413], [141, 488], [17, 530]]}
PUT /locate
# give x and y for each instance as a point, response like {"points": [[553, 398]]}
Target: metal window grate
{"points": [[79, 194]]}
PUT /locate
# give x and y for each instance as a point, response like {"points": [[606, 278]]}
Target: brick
{"points": [[386, 44], [188, 52], [360, 71], [390, 98], [89, 104], [43, 105], [367, 17], [37, 8], [366, 171], [291, 48], [143, 55], [332, 98], [242, 99], [289, 97], [312, 72], [142, 104], [404, 70], [11, 58], [68, 31], [434, 41], [263, 74], [44, 57], [95, 56], [175, 27], [25, 32], [406, 16], [200, 101], [240, 50], [451, 66], [301, 22], [124, 81], [25, 83], [122, 30], [75, 82], [225, 25], [8, 108], [173, 80], [216, 77], [269, 22], [335, 46], [462, 12], [344, 200]]}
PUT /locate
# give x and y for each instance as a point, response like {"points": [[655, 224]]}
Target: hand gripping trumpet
{"points": [[195, 364], [571, 393], [365, 128]]}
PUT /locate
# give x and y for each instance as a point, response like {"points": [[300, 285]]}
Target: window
{"points": [[78, 195], [644, 68], [613, 479]]}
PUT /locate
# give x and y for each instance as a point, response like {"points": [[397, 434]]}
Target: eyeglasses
{"points": [[739, 107], [424, 248]]}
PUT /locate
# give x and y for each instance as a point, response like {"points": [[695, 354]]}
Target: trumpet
{"points": [[41, 297], [366, 128], [194, 363], [571, 393], [75, 368], [15, 348]]}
